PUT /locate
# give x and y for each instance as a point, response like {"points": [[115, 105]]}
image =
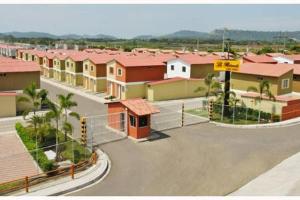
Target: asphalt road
{"points": [[200, 159], [195, 160]]}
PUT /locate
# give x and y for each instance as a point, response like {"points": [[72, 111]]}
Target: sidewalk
{"points": [[283, 179], [65, 185], [75, 90], [286, 123]]}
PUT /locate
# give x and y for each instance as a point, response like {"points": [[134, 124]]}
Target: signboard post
{"points": [[228, 66]]}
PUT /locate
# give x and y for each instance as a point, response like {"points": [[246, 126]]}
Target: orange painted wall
{"points": [[136, 74], [290, 111], [114, 110]]}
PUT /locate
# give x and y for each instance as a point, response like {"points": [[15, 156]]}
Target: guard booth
{"points": [[132, 115]]}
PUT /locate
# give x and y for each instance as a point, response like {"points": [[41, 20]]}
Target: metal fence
{"points": [[237, 114], [106, 128], [178, 114]]}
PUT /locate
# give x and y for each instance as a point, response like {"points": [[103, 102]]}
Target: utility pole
{"points": [[227, 83], [223, 43]]}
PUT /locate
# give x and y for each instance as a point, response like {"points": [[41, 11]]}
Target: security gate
{"points": [[101, 129]]}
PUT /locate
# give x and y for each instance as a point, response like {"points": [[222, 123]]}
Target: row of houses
{"points": [[149, 75]]}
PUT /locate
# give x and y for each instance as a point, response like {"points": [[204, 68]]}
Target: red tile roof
{"points": [[193, 59], [139, 61], [273, 70], [275, 54], [139, 106], [79, 56], [100, 58], [8, 65], [260, 59], [8, 94]]}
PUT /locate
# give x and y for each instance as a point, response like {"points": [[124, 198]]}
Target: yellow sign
{"points": [[227, 65]]}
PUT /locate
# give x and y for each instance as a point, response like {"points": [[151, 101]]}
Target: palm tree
{"points": [[66, 103], [212, 86], [263, 90], [68, 128], [55, 113], [33, 97]]}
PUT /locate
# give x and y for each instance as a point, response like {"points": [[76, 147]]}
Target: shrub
{"points": [[30, 144]]}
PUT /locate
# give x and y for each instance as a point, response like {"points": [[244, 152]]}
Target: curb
{"points": [[102, 169], [292, 122]]}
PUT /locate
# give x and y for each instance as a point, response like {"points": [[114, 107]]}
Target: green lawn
{"points": [[227, 120]]}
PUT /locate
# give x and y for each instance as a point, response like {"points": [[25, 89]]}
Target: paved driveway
{"points": [[15, 161], [195, 160]]}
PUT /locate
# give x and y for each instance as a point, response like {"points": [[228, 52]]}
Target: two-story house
{"points": [[59, 66], [48, 65], [127, 75], [74, 68], [94, 72]]}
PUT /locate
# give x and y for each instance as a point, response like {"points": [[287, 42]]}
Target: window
{"points": [[86, 67], [119, 72], [123, 88], [172, 67], [54, 62], [111, 70], [183, 68], [92, 68], [285, 83], [143, 121], [67, 64], [3, 75], [132, 121]]}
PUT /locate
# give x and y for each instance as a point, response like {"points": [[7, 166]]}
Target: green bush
{"points": [[29, 142]]}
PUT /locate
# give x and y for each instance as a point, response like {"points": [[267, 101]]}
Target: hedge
{"points": [[29, 142]]}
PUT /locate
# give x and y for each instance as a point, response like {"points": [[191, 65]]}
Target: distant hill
{"points": [[52, 36], [144, 37], [237, 35], [217, 34], [186, 34]]}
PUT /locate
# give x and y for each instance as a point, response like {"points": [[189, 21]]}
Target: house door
{"points": [[119, 91], [122, 121]]}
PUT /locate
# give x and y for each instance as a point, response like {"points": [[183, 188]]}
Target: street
{"points": [[201, 159]]}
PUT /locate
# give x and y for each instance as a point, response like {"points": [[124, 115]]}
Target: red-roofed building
{"points": [[191, 66], [74, 68], [280, 77], [131, 116], [127, 74], [94, 72], [259, 59]]}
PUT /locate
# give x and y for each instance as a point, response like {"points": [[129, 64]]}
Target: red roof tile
{"points": [[140, 106], [260, 59], [263, 69], [12, 65], [8, 94], [193, 59]]}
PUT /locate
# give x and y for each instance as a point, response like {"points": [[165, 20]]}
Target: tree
{"points": [[263, 90], [65, 104], [55, 114], [212, 86], [33, 97]]}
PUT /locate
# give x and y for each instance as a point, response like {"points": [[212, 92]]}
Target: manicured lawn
{"points": [[64, 148], [227, 120]]}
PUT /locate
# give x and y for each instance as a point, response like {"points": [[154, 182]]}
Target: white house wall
{"points": [[283, 60], [177, 72]]}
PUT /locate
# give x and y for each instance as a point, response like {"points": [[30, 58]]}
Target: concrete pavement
{"points": [[195, 160], [202, 159]]}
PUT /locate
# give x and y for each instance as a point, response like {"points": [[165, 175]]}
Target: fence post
{"points": [[72, 171], [222, 116], [233, 114], [210, 110], [182, 115], [94, 158], [246, 115], [26, 184]]}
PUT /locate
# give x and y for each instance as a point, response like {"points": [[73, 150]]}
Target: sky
{"points": [[127, 21]]}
